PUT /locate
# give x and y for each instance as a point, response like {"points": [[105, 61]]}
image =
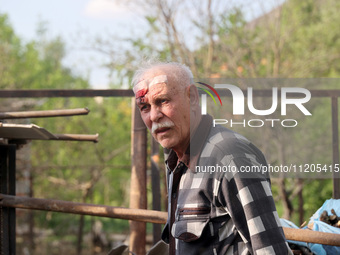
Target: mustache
{"points": [[166, 124]]}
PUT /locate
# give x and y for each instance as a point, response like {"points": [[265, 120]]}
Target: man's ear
{"points": [[192, 94]]}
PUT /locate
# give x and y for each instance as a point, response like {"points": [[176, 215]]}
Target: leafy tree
{"points": [[297, 39], [73, 171]]}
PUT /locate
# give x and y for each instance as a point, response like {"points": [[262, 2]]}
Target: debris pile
{"points": [[332, 219]]}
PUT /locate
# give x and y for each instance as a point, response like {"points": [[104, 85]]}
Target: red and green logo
{"points": [[209, 93]]}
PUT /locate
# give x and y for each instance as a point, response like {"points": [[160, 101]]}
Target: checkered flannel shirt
{"points": [[221, 212]]}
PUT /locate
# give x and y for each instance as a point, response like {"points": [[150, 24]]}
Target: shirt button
{"points": [[174, 195]]}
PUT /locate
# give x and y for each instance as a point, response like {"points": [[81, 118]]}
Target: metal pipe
{"points": [[44, 114], [7, 186], [129, 93], [335, 144], [143, 215], [67, 93]]}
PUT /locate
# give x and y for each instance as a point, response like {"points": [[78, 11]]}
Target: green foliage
{"points": [[64, 170], [34, 65], [80, 162], [299, 39]]}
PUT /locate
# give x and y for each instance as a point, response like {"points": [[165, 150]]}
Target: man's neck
{"points": [[184, 149], [181, 151]]}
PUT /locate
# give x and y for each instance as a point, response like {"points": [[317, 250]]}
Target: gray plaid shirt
{"points": [[221, 212]]}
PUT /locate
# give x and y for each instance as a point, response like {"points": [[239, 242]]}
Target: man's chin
{"points": [[165, 144]]}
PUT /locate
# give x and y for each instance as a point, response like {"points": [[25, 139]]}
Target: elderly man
{"points": [[221, 212]]}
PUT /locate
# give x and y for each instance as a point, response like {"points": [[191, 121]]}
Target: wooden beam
{"points": [[44, 114], [156, 188], [138, 180], [142, 215]]}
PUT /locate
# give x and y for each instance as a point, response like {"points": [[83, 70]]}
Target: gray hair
{"points": [[183, 74]]}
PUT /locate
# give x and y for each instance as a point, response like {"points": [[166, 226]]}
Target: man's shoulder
{"points": [[223, 142], [226, 139]]}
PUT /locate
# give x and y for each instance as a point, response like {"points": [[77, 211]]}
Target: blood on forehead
{"points": [[142, 87]]}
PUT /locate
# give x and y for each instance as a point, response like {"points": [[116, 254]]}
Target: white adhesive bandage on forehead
{"points": [[143, 86]]}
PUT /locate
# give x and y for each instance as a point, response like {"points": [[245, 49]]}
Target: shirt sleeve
{"points": [[247, 196]]}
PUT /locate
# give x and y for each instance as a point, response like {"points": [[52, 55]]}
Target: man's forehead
{"points": [[143, 86]]}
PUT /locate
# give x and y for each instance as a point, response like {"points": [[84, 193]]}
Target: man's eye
{"points": [[144, 108]]}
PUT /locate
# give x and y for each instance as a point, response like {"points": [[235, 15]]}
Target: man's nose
{"points": [[155, 114]]}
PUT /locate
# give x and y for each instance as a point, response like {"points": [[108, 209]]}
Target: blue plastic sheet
{"points": [[320, 249]]}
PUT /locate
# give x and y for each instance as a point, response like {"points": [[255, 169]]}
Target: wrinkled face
{"points": [[165, 110]]}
